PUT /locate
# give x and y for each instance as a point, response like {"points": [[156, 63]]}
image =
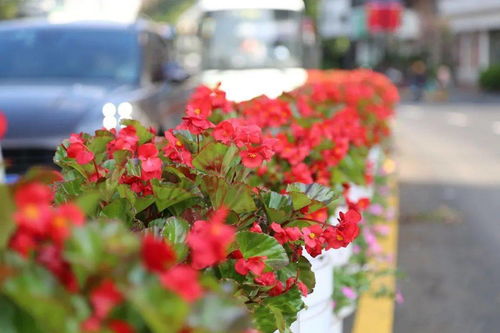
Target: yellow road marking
{"points": [[376, 315]]}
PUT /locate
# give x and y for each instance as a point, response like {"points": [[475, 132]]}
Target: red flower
{"points": [[182, 280], [224, 132], [156, 254], [209, 241], [278, 289], [63, 218], [3, 125], [302, 287], [78, 150], [320, 215], [313, 239], [256, 228], [252, 158], [50, 256], [120, 326], [266, 279], [246, 133], [195, 124], [33, 193], [127, 139], [104, 298], [284, 235], [151, 163], [254, 264], [22, 242], [345, 232], [300, 173], [34, 218], [176, 151]]}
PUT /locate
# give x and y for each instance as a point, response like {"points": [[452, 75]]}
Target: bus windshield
{"points": [[251, 39]]}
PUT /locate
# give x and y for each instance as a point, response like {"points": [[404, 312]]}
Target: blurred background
{"points": [[77, 65]]}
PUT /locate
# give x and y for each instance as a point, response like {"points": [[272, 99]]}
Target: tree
{"points": [[166, 10], [9, 9]]}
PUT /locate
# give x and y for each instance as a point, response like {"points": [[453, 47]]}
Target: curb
{"points": [[376, 315]]}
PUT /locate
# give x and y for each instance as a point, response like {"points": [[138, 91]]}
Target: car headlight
{"points": [[113, 115], [125, 110]]}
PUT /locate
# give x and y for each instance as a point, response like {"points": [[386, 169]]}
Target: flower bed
{"points": [[210, 227]]}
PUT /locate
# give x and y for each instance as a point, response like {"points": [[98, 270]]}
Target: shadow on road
{"points": [[449, 249]]}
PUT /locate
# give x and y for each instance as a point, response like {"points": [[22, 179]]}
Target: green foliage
{"points": [[167, 10], [253, 244], [490, 78], [280, 311], [9, 9]]}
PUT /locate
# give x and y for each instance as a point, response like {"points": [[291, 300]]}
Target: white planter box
{"points": [[318, 317]]}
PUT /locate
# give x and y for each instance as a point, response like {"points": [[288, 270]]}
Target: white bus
{"points": [[254, 47]]}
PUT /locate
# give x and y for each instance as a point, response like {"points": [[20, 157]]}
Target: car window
{"points": [[155, 57], [78, 54]]}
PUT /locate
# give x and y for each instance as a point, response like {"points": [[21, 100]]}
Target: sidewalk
{"points": [[456, 95]]}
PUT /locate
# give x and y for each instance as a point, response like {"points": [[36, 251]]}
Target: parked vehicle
{"points": [[253, 47], [58, 79]]}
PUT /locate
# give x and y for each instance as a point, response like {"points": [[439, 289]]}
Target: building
{"points": [[476, 29], [346, 22], [118, 10]]}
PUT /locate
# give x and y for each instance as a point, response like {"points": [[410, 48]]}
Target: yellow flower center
{"points": [[178, 143], [197, 111], [311, 235], [340, 238], [60, 221], [32, 212], [252, 155]]}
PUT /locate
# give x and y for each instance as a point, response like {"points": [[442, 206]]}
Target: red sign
{"points": [[383, 16]]}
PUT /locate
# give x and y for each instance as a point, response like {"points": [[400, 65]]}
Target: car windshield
{"points": [[251, 38], [70, 54]]}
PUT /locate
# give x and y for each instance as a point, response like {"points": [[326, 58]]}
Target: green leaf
{"points": [[98, 144], [120, 209], [237, 197], [303, 267], [99, 245], [175, 230], [142, 203], [215, 157], [303, 194], [226, 271], [278, 206], [36, 291], [70, 189], [278, 312], [142, 132], [162, 311], [214, 313], [7, 224], [169, 194], [89, 203], [252, 244], [14, 320]]}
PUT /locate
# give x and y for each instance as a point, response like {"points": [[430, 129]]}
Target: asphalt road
{"points": [[449, 243]]}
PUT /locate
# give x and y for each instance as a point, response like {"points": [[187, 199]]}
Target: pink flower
{"points": [[349, 293], [376, 209], [399, 297]]}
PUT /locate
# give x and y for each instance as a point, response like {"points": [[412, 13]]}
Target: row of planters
{"points": [[231, 222]]}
